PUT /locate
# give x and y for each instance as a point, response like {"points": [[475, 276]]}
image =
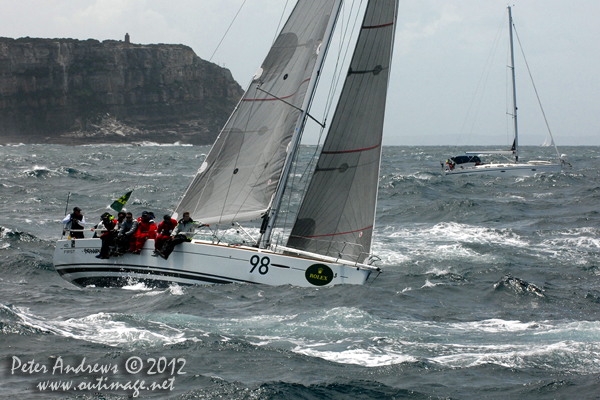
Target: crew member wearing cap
{"points": [[76, 222], [108, 236], [146, 230]]}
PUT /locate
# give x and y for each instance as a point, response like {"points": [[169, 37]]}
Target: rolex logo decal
{"points": [[319, 274]]}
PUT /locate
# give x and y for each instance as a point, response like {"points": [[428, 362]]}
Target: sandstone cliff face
{"points": [[65, 91]]}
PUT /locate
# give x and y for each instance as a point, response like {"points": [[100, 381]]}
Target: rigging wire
{"points": [[280, 20], [508, 99], [344, 41], [482, 79], [535, 90], [227, 31], [508, 106]]}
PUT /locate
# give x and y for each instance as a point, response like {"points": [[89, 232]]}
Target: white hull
{"points": [[196, 263], [506, 169]]}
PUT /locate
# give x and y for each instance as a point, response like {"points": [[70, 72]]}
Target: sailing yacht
{"points": [[245, 174], [471, 163], [548, 143]]}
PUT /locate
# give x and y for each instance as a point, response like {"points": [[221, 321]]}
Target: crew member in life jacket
{"points": [[146, 230], [165, 228], [76, 222], [108, 234], [184, 232]]}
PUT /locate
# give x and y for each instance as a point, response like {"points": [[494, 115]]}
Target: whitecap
{"points": [[155, 144], [497, 325], [150, 293], [106, 329], [360, 357], [428, 284], [133, 285], [177, 290]]}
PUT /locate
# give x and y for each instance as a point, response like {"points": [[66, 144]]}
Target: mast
{"points": [[514, 86], [294, 144]]}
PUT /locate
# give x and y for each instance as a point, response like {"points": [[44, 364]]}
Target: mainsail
{"points": [[337, 215], [237, 180]]}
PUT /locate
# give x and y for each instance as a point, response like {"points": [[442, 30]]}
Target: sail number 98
{"points": [[261, 263]]}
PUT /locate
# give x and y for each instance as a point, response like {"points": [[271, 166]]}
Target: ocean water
{"points": [[490, 289]]}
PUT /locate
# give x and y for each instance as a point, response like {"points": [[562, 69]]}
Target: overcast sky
{"points": [[442, 48]]}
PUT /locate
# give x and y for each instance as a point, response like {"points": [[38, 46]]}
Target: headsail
{"points": [[338, 212], [237, 180]]}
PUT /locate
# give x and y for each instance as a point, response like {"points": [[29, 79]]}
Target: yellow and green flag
{"points": [[118, 204]]}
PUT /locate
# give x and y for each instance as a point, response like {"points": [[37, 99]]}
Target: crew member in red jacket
{"points": [[165, 228], [146, 230]]}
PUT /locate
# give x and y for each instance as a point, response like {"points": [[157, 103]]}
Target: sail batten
{"points": [[242, 170], [335, 234], [336, 217], [352, 151]]}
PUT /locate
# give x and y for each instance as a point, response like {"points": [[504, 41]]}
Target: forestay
{"points": [[338, 211], [237, 180]]}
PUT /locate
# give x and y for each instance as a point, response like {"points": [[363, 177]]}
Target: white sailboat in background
{"points": [[548, 142], [472, 164], [245, 173]]}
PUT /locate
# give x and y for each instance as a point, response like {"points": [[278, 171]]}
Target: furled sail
{"points": [[338, 212], [237, 180]]}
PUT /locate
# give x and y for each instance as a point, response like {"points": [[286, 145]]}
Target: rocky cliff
{"points": [[72, 92]]}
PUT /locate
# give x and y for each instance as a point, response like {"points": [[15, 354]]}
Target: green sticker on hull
{"points": [[319, 274]]}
